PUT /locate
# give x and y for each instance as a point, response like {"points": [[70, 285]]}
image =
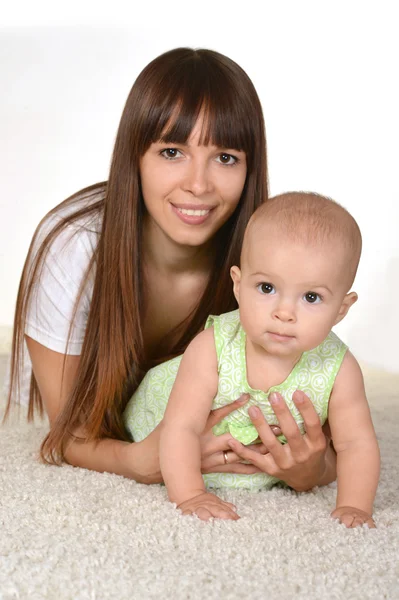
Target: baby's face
{"points": [[290, 295]]}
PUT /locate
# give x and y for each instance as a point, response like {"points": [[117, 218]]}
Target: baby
{"points": [[298, 262]]}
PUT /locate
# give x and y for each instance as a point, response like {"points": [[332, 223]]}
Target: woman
{"points": [[123, 274]]}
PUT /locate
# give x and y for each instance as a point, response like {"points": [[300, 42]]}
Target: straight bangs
{"points": [[219, 128], [202, 85]]}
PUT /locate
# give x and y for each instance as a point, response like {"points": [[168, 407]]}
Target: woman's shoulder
{"points": [[75, 223], [63, 248]]}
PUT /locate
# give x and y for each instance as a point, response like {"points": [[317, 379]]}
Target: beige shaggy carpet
{"points": [[67, 533]]}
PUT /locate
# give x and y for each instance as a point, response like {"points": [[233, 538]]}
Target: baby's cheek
{"points": [[313, 333]]}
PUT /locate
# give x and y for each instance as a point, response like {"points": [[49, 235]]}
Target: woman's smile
{"points": [[192, 214]]}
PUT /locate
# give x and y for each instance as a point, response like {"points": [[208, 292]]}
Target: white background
{"points": [[326, 73]]}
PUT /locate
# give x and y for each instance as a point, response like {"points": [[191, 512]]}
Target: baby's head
{"points": [[308, 220], [299, 259]]}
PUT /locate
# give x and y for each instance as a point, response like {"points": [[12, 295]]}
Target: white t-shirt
{"points": [[54, 295], [55, 292]]}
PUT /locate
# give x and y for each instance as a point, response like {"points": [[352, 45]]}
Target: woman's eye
{"points": [[170, 153], [266, 288], [312, 298], [227, 159]]}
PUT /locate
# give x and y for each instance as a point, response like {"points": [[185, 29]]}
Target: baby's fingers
{"points": [[353, 519], [223, 512], [202, 513], [206, 506], [357, 522], [347, 520], [225, 504], [209, 511]]}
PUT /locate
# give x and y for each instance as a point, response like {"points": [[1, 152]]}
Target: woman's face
{"points": [[190, 190]]}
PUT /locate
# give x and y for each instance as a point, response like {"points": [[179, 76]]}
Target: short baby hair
{"points": [[312, 219]]}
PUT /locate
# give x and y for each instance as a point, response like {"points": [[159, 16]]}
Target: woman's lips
{"points": [[192, 214]]}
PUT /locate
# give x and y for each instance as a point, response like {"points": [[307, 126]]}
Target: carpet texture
{"points": [[67, 533]]}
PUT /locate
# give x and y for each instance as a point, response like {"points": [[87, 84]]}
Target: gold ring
{"points": [[225, 458]]}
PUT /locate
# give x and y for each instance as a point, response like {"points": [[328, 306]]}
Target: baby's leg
{"points": [[146, 408]]}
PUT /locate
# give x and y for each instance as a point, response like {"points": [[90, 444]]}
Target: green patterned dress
{"points": [[314, 374]]}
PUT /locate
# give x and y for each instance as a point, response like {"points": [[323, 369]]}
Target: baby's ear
{"points": [[345, 306], [235, 274]]}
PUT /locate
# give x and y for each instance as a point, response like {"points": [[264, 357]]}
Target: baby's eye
{"points": [[170, 153], [227, 159], [312, 298], [266, 288]]}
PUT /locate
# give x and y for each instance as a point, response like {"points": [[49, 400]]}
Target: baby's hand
{"points": [[206, 506], [352, 517]]}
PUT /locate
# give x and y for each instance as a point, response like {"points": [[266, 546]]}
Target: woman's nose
{"points": [[197, 179]]}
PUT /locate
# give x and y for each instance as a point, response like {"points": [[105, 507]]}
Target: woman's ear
{"points": [[235, 274], [345, 306]]}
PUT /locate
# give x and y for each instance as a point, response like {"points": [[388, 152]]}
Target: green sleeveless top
{"points": [[314, 374]]}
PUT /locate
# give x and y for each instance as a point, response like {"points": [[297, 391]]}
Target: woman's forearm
{"points": [[102, 456], [138, 461]]}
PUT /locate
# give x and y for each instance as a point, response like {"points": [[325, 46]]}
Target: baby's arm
{"points": [[185, 418], [353, 435]]}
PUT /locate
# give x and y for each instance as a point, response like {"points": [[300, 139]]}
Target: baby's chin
{"points": [[288, 348], [284, 349]]}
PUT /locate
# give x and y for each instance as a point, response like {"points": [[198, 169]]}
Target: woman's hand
{"points": [[216, 454], [305, 460]]}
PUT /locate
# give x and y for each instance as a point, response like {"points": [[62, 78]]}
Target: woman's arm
{"points": [[140, 460], [136, 461], [55, 387]]}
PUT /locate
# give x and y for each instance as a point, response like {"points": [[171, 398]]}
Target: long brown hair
{"points": [[164, 103]]}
